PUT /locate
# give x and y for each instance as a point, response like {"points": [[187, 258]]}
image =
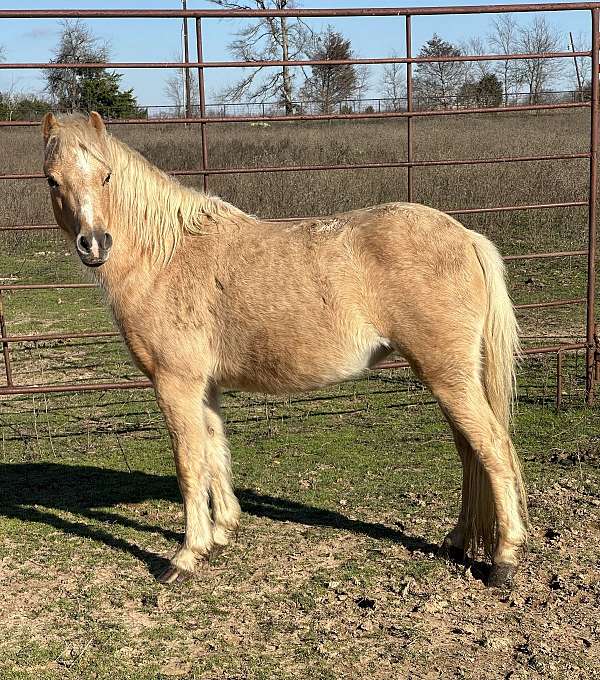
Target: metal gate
{"points": [[206, 171]]}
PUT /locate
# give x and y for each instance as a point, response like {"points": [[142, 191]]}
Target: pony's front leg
{"points": [[225, 506], [182, 403]]}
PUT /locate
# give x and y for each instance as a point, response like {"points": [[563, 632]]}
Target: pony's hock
{"points": [[301, 304]]}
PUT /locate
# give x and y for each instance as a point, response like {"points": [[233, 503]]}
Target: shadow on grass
{"points": [[36, 492]]}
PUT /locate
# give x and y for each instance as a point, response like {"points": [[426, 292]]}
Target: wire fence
{"points": [[362, 105]]}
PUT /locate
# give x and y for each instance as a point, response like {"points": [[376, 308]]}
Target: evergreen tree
{"points": [[487, 91], [85, 89], [438, 82]]}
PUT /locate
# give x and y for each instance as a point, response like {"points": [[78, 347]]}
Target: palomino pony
{"points": [[207, 297]]}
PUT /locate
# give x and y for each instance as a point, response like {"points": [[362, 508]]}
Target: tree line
{"points": [[441, 84], [436, 84]]}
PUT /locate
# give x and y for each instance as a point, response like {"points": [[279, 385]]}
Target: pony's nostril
{"points": [[106, 241], [83, 245]]}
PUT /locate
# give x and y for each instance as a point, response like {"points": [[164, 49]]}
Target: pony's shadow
{"points": [[32, 492]]}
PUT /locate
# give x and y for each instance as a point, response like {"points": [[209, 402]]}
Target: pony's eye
{"points": [[52, 182], [106, 180]]}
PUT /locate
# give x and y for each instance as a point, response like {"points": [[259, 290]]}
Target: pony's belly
{"points": [[286, 374]]}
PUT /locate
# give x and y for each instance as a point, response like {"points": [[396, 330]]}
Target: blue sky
{"points": [[159, 40]]}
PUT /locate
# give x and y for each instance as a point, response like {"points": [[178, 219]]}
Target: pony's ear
{"points": [[48, 124], [97, 123]]}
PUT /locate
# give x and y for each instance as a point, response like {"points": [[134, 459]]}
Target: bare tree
{"points": [[476, 70], [503, 39], [393, 83], [279, 38], [538, 37], [363, 81], [439, 81], [331, 85], [174, 89]]}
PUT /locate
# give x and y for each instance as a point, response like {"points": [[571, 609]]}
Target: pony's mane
{"points": [[154, 204]]}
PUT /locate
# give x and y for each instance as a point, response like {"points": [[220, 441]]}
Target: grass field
{"points": [[345, 493]]}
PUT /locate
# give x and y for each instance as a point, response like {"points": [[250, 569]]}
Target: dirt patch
{"points": [[344, 605]]}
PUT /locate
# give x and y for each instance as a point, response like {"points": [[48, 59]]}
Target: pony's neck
{"points": [[150, 215], [153, 212]]}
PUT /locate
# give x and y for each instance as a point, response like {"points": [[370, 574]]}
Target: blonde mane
{"points": [[155, 205]]}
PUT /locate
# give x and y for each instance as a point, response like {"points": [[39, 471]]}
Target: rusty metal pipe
{"points": [[202, 100], [5, 347], [268, 63], [593, 190], [542, 256], [44, 286], [75, 387], [347, 166], [552, 303], [39, 337], [292, 13], [409, 108]]}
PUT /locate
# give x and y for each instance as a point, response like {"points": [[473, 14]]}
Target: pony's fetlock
{"points": [[221, 537], [186, 559]]}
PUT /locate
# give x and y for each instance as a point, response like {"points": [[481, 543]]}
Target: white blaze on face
{"points": [[86, 211], [86, 217], [82, 162]]}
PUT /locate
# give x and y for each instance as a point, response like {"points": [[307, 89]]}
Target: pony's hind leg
{"points": [[454, 544], [492, 512], [224, 505], [182, 403]]}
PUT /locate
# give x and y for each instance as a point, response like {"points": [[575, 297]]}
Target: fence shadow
{"points": [[35, 492]]}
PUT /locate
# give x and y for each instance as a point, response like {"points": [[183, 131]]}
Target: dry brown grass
{"points": [[303, 193]]}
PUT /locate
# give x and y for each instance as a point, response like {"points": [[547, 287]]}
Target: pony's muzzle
{"points": [[93, 249]]}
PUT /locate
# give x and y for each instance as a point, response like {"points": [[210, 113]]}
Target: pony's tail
{"points": [[501, 349]]}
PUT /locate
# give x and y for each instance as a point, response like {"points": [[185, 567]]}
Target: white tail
{"points": [[501, 350], [501, 345]]}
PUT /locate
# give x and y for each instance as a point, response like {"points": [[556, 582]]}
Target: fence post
{"points": [[5, 348], [202, 100], [409, 108], [186, 59], [593, 190]]}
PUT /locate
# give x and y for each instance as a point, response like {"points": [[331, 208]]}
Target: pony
{"points": [[208, 297]]}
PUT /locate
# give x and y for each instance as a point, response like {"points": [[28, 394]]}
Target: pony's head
{"points": [[78, 175]]}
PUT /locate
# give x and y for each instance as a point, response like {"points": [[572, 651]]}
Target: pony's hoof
{"points": [[502, 575], [174, 575], [448, 551]]}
